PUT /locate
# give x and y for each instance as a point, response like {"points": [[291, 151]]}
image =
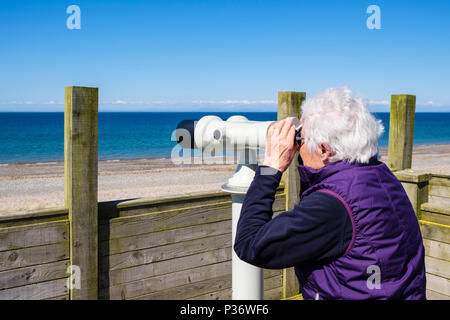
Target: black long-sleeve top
{"points": [[316, 229]]}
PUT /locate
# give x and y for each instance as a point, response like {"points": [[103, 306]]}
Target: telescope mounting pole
{"points": [[247, 280]]}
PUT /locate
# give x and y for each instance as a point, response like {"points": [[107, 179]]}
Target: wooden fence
{"points": [[175, 247], [172, 248], [429, 194]]}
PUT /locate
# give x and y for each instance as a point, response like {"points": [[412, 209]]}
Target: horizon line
{"points": [[192, 111]]}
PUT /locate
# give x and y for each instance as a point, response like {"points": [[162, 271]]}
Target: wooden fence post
{"points": [[289, 105], [416, 185], [80, 171], [401, 131]]}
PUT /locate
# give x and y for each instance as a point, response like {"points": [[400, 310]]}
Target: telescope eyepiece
{"points": [[298, 139]]}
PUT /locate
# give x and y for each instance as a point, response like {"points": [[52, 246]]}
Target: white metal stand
{"points": [[247, 280]]}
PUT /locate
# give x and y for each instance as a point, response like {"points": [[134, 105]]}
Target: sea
{"points": [[39, 137]]}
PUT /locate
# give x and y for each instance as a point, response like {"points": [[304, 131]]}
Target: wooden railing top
{"points": [[171, 198], [440, 175], [174, 198], [119, 208], [37, 213], [411, 175], [415, 175]]}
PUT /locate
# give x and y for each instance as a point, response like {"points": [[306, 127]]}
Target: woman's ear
{"points": [[325, 152]]}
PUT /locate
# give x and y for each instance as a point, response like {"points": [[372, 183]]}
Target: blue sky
{"points": [[227, 55]]}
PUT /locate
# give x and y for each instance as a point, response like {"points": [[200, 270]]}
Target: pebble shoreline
{"points": [[26, 186]]}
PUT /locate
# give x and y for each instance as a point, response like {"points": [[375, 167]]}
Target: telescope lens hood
{"points": [[185, 133]]}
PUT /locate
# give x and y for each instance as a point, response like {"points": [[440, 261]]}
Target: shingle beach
{"points": [[25, 186]]}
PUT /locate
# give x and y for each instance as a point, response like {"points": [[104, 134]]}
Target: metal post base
{"points": [[247, 280]]}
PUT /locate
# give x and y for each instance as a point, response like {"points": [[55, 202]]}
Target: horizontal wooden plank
{"points": [[154, 222], [269, 273], [273, 282], [191, 290], [34, 255], [434, 231], [33, 221], [17, 216], [208, 289], [439, 190], [154, 284], [145, 271], [36, 291], [438, 201], [435, 217], [63, 297], [433, 295], [432, 208], [437, 267], [175, 201], [294, 297], [440, 180], [224, 294], [33, 235], [166, 252], [38, 273], [154, 239], [273, 294], [437, 249], [438, 284], [160, 205]]}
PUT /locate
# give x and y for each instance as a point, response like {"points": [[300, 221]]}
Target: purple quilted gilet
{"points": [[385, 259]]}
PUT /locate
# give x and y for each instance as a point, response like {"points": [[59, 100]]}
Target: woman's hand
{"points": [[280, 146]]}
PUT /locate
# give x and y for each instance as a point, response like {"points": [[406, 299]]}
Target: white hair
{"points": [[340, 119]]}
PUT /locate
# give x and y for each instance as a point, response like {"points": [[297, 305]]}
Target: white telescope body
{"points": [[237, 132], [212, 134]]}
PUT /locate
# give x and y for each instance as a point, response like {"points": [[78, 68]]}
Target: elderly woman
{"points": [[354, 234]]}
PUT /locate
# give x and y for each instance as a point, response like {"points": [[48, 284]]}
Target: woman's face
{"points": [[312, 160]]}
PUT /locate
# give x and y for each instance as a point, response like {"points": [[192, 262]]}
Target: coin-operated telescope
{"points": [[211, 135]]}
